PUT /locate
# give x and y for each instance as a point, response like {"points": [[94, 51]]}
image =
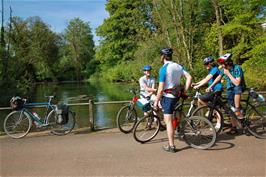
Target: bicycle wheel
{"points": [[61, 129], [198, 132], [216, 116], [126, 118], [257, 121], [17, 124], [146, 128]]}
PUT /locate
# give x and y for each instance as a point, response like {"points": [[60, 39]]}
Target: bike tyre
{"points": [[204, 110], [61, 129], [126, 123], [257, 123], [25, 125], [200, 125], [143, 134]]}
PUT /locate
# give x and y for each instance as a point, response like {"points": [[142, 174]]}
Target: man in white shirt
{"points": [[169, 80]]}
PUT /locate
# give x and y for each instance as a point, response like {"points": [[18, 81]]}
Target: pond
{"points": [[105, 114]]}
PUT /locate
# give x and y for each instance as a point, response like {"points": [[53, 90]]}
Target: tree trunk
{"points": [[165, 30], [219, 26]]}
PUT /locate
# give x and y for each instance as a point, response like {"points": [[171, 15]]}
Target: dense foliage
{"points": [[135, 31], [131, 37], [35, 53]]}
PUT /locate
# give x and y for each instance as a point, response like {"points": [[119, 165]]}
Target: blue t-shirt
{"points": [[170, 73], [237, 72], [214, 71]]}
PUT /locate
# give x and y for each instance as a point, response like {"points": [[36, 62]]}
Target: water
{"points": [[105, 114]]}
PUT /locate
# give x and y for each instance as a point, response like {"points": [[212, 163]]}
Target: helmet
{"points": [[208, 60], [226, 58], [147, 68], [166, 51]]}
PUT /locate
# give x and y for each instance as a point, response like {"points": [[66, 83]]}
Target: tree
{"points": [[79, 45], [121, 32]]}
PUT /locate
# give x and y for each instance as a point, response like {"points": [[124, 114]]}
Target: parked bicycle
{"points": [[198, 132], [126, 117], [18, 123], [254, 114]]}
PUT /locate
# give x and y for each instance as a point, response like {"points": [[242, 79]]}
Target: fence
{"points": [[91, 107]]}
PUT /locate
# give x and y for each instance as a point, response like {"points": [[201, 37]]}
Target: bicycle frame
{"points": [[248, 105], [179, 106], [48, 106]]}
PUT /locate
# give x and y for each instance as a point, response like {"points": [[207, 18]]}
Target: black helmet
{"points": [[208, 60], [166, 51]]}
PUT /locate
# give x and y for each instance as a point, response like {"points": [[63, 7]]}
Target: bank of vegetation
{"points": [[131, 37]]}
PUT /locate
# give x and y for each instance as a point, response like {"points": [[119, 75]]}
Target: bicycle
{"points": [[198, 132], [126, 117], [187, 108], [18, 123], [254, 115]]}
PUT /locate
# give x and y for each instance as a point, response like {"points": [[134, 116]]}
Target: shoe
{"points": [[169, 148], [217, 126], [232, 131], [239, 115]]}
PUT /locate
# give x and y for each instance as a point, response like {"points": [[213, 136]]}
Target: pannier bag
{"points": [[144, 104], [62, 111], [16, 103]]}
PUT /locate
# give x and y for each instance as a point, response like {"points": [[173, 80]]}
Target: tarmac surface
{"points": [[111, 153]]}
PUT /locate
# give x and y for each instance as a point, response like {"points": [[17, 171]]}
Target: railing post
{"points": [[91, 114]]}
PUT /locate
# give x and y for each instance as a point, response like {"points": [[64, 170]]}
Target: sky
{"points": [[57, 13]]}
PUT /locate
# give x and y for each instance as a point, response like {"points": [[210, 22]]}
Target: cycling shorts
{"points": [[168, 104]]}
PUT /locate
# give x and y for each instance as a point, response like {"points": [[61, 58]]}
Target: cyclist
{"points": [[214, 72], [235, 85], [147, 83], [169, 82]]}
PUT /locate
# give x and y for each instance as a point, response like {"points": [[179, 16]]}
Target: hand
{"points": [[209, 89], [196, 87], [226, 72], [193, 84]]}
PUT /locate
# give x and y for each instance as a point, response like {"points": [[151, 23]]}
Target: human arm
{"points": [[188, 80], [203, 81], [159, 93], [218, 78], [236, 81]]}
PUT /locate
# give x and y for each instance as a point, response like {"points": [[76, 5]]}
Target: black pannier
{"points": [[16, 103], [62, 111]]}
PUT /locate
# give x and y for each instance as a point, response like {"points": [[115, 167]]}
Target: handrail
{"points": [[103, 102], [75, 104]]}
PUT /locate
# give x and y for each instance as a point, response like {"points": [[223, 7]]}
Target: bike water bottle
{"points": [[260, 98], [175, 122], [37, 116]]}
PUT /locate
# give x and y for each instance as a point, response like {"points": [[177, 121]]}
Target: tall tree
{"points": [[122, 31], [80, 44]]}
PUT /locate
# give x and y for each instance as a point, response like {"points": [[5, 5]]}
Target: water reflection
{"points": [[105, 114]]}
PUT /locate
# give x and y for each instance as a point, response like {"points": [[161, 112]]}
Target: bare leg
{"points": [[169, 127]]}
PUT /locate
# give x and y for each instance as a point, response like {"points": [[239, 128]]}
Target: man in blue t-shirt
{"points": [[169, 81], [235, 84], [214, 72]]}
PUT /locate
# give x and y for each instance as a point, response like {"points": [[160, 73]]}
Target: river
{"points": [[105, 114]]}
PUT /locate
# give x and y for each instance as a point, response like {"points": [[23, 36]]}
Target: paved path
{"points": [[112, 153]]}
